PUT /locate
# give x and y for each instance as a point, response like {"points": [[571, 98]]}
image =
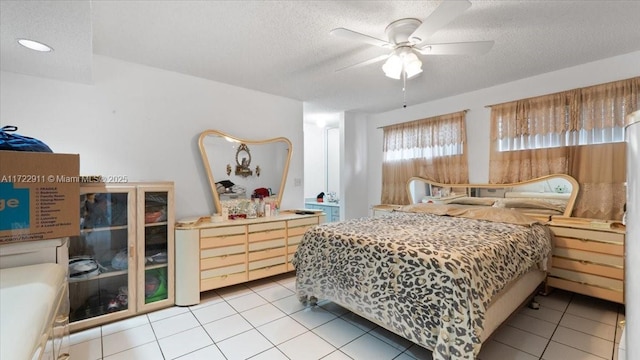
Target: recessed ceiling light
{"points": [[34, 45]]}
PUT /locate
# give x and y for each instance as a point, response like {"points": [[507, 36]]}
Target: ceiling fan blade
{"points": [[460, 48], [441, 16], [366, 62], [356, 36]]}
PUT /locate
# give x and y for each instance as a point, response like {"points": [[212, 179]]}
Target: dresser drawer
{"points": [[602, 236], [270, 262], [220, 271], [302, 222], [267, 235], [223, 231], [300, 230], [266, 253], [598, 292], [267, 271], [292, 249], [276, 225], [590, 245], [582, 278], [269, 244], [592, 257], [222, 261], [588, 268], [294, 240], [221, 251], [222, 281], [227, 240]]}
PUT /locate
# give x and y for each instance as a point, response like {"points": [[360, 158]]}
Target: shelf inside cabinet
{"points": [[155, 224], [155, 266], [105, 228], [103, 275]]}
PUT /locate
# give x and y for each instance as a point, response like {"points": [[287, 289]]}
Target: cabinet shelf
{"points": [[155, 266], [161, 223], [105, 228], [106, 274]]}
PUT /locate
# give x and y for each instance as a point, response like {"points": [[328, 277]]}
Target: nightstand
{"points": [[384, 208], [588, 258]]}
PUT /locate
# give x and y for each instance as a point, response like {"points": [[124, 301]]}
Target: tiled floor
{"points": [[263, 320]]}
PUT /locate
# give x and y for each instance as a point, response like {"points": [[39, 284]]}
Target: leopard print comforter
{"points": [[426, 277]]}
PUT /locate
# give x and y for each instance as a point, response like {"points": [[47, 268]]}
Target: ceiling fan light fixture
{"points": [[403, 60], [393, 67], [413, 68]]}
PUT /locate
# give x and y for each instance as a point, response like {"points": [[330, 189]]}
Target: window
{"points": [[432, 148], [586, 116]]}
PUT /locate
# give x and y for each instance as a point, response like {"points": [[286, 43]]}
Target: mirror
{"points": [[541, 197], [261, 166]]}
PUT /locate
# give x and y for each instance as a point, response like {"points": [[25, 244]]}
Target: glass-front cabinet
{"points": [[121, 264], [155, 247]]}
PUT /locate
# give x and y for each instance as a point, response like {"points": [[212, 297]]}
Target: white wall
{"points": [[354, 185], [611, 69], [315, 167], [144, 122]]}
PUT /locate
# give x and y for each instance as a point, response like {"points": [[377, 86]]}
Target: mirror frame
{"points": [[207, 164], [575, 187]]}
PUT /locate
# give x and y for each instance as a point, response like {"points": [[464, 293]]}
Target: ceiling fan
{"points": [[408, 37]]}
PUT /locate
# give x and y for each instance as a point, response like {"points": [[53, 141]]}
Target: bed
{"points": [[442, 276]]}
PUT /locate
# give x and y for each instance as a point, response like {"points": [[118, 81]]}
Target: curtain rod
{"points": [[465, 111]]}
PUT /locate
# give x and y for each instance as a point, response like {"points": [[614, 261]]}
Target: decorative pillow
{"points": [[429, 208], [549, 204], [486, 213], [497, 215], [473, 201]]}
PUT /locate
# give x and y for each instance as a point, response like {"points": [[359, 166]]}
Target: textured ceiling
{"points": [[284, 47]]}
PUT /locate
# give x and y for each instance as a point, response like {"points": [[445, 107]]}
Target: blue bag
{"points": [[15, 142]]}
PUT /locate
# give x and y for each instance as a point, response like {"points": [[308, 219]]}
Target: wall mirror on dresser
{"points": [[237, 167], [541, 198]]}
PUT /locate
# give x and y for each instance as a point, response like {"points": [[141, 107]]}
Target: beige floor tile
{"points": [[87, 350], [557, 351], [494, 350], [521, 340], [590, 327], [184, 343], [533, 325], [127, 339], [594, 309], [587, 343], [557, 300], [142, 352], [544, 313]]}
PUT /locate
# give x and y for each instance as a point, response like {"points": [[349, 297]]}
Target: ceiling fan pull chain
{"points": [[404, 89]]}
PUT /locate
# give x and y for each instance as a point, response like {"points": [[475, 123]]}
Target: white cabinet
{"points": [[122, 262], [332, 210]]}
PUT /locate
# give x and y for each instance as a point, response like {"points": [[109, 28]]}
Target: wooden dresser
{"points": [[212, 255], [588, 258]]}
